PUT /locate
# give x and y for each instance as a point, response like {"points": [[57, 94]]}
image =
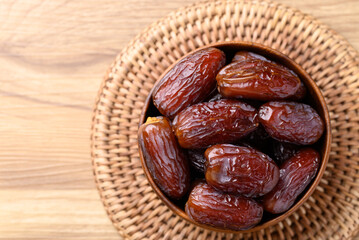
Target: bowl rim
{"points": [[326, 145]]}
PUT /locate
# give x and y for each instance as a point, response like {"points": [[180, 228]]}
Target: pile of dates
{"points": [[232, 138]]}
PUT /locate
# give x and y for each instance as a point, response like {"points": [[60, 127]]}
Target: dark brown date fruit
{"points": [[292, 122], [209, 123], [164, 159], [207, 206], [300, 94], [256, 78], [189, 82], [245, 56], [197, 159], [282, 151], [240, 170], [295, 175]]}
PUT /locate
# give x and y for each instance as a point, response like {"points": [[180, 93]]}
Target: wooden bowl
{"points": [[314, 98]]}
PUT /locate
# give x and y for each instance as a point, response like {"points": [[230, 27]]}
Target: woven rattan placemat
{"points": [[332, 212]]}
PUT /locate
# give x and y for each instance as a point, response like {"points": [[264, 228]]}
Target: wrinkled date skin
{"points": [[245, 56], [257, 78], [209, 123], [197, 159], [295, 175], [189, 82], [208, 206], [282, 151], [164, 159], [292, 122], [240, 170]]}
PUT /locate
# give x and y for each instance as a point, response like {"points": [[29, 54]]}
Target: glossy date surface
{"points": [[254, 77], [208, 206], [165, 160], [292, 122], [295, 175], [209, 123], [240, 170], [189, 82]]}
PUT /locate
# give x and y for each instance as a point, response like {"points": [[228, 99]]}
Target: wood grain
{"points": [[53, 55]]}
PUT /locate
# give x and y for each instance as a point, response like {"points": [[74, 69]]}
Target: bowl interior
{"points": [[313, 98]]}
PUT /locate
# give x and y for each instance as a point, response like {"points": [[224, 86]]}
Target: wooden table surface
{"points": [[53, 55]]}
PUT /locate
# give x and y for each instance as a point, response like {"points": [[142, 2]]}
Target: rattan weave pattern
{"points": [[332, 212]]}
